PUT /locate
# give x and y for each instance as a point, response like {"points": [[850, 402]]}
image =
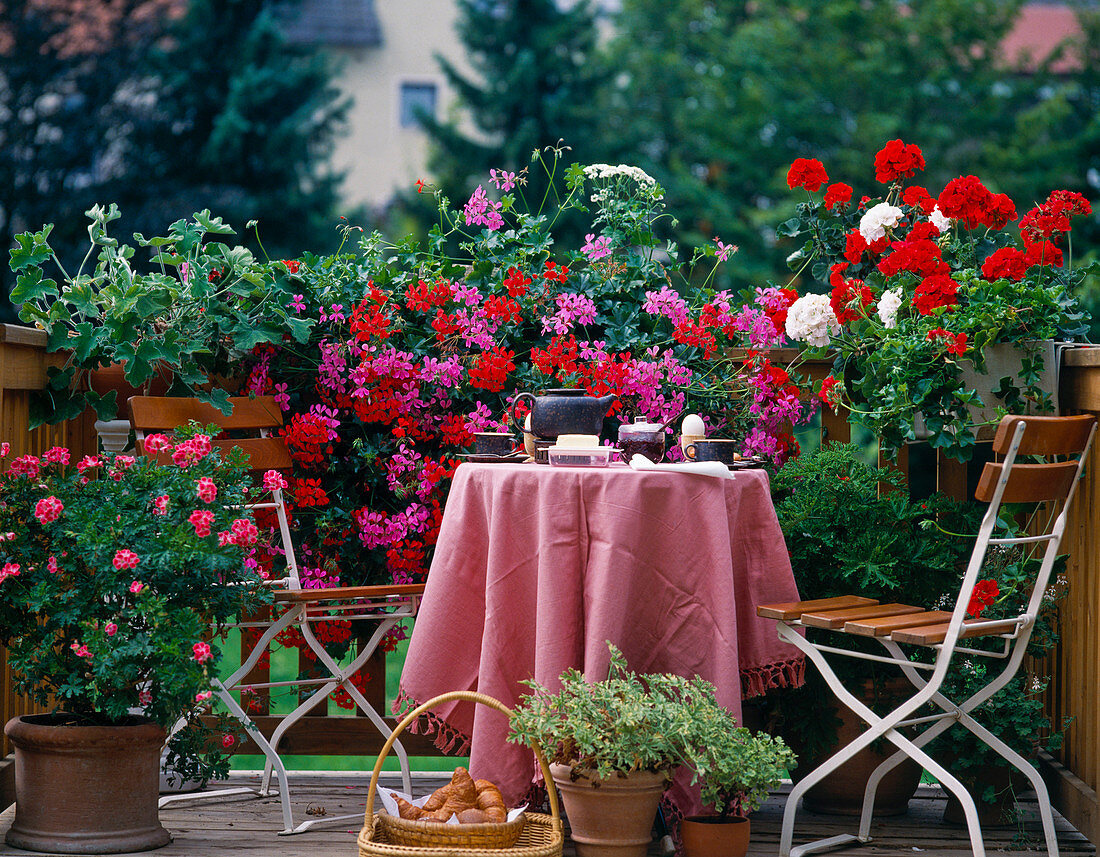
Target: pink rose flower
{"points": [[206, 489], [201, 519], [48, 509], [125, 558]]}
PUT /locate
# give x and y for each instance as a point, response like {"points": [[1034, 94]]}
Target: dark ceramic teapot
{"points": [[564, 411]]}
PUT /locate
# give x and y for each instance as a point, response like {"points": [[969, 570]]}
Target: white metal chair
{"points": [[296, 606], [1059, 446]]}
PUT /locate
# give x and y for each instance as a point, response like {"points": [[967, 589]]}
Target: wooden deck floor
{"points": [[249, 825]]}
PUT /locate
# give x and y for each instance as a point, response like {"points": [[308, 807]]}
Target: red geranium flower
{"points": [[808, 173], [965, 199], [850, 299], [896, 160], [934, 292], [1008, 263], [984, 594], [922, 257], [838, 194], [956, 343], [918, 197]]}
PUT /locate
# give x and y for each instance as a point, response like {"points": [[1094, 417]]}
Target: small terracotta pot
{"points": [[85, 789], [613, 817], [714, 836], [1006, 783], [113, 377]]}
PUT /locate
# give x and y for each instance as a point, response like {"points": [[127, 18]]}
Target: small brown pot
{"points": [[714, 836], [85, 789], [1006, 783], [610, 818]]}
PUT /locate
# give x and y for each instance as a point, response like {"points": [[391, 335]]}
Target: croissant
{"points": [[438, 798], [406, 809], [464, 789], [490, 801], [473, 816]]}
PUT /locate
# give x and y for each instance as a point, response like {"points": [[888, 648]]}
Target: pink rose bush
{"points": [[110, 597]]}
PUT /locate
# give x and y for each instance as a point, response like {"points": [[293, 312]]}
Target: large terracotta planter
{"points": [[714, 836], [841, 792], [85, 789], [610, 818]]}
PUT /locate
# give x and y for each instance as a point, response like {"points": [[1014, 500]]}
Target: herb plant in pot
{"points": [[612, 746], [737, 769], [113, 573]]}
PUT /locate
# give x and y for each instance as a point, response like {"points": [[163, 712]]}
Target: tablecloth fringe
{"points": [[759, 680], [448, 739]]}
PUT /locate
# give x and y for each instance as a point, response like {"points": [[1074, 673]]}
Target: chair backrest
{"points": [[258, 416], [1055, 449]]}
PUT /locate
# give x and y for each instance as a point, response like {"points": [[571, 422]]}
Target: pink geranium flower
{"points": [[125, 558], [201, 652]]}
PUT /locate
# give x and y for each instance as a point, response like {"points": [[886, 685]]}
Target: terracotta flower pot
{"points": [[85, 789], [1006, 783], [841, 792], [113, 377], [714, 836], [610, 818]]}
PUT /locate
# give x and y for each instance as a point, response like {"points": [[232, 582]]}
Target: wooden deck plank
{"points": [[248, 825]]}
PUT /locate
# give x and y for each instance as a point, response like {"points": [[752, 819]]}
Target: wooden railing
{"points": [[1074, 667]]}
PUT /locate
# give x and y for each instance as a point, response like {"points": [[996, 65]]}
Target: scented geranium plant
{"points": [[920, 285], [191, 311], [115, 575]]}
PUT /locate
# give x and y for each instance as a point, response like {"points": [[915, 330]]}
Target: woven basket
{"points": [[531, 835]]}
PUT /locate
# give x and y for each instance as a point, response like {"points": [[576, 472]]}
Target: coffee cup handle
{"points": [[689, 451]]}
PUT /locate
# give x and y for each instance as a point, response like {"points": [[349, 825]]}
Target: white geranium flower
{"points": [[888, 307], [811, 319], [940, 221], [872, 226]]}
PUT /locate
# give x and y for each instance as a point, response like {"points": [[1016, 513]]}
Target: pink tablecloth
{"points": [[538, 566]]}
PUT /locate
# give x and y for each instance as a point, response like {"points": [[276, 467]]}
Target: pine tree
{"points": [[536, 83], [165, 107]]}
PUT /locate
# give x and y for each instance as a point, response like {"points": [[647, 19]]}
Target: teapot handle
{"points": [[516, 423]]}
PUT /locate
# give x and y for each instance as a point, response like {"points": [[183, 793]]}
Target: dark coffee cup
{"points": [[725, 451], [493, 443]]}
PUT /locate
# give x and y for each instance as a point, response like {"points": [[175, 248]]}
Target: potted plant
{"points": [[612, 746], [115, 574], [737, 769], [846, 534], [920, 290], [188, 314]]}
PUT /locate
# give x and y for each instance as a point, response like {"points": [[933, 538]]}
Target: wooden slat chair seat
{"points": [[250, 427], [1062, 445]]}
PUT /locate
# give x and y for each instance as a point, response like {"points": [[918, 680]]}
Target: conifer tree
{"points": [[535, 82]]}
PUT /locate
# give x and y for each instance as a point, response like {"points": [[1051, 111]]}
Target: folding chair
{"points": [[1060, 446], [295, 606]]}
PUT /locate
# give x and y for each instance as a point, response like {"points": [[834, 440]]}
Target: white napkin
{"points": [[389, 804], [700, 468]]}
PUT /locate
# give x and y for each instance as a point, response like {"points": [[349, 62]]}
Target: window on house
{"points": [[416, 99]]}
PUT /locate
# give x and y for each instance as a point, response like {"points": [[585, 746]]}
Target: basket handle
{"points": [[469, 696]]}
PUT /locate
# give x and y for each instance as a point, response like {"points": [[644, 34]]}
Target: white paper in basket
{"points": [[388, 797]]}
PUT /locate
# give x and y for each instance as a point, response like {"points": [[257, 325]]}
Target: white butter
{"points": [[578, 441]]}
